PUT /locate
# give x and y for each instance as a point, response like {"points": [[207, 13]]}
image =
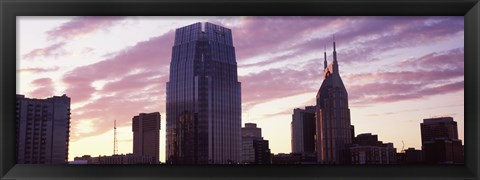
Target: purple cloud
{"points": [[83, 25], [53, 50], [44, 88]]}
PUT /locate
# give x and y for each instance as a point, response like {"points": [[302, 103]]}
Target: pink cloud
{"points": [[409, 92], [258, 35], [277, 83], [38, 70], [150, 55], [53, 50], [44, 88], [83, 25]]}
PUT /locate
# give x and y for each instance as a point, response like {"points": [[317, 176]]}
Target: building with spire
{"points": [[333, 127]]}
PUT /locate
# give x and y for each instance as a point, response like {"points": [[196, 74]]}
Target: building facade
{"points": [[440, 143], [184, 139], [203, 80], [43, 128], [333, 126], [146, 135], [303, 130], [368, 150], [255, 150]]}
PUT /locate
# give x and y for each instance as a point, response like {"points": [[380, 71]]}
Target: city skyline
{"points": [[273, 86]]}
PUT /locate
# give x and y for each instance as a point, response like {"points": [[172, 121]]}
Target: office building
{"points": [[255, 150], [303, 130], [440, 143], [333, 127], [43, 127], [251, 129], [368, 150], [146, 135], [203, 81]]}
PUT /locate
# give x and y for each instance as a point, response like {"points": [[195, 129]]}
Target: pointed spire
{"points": [[325, 58], [333, 42], [334, 51]]}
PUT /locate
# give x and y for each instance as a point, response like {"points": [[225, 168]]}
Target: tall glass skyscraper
{"points": [[204, 85]]}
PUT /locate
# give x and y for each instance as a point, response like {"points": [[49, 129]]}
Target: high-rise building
{"points": [[255, 149], [146, 135], [440, 143], [333, 127], [442, 127], [43, 127], [203, 80], [303, 130], [368, 150]]}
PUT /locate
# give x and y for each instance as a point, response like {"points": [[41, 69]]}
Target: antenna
{"points": [[403, 145], [115, 145]]}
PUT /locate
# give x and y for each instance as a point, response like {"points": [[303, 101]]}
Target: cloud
{"points": [[44, 88], [410, 92], [53, 50], [278, 83], [432, 74], [364, 38], [451, 59], [150, 55], [84, 25], [38, 70]]}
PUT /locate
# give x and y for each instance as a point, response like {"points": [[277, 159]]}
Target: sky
{"points": [[397, 72]]}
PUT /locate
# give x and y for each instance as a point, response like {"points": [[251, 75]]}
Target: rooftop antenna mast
{"points": [[115, 144]]}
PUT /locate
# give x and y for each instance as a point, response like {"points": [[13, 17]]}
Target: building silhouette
{"points": [[440, 143], [43, 127], [203, 81], [333, 127], [146, 135], [255, 150], [367, 149], [410, 156], [303, 130], [115, 159]]}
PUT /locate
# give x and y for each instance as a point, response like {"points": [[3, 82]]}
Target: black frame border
{"points": [[9, 9]]}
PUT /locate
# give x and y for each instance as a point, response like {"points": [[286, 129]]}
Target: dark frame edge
{"points": [[8, 168], [472, 87]]}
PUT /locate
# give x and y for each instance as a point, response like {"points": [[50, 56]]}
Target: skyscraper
{"points": [[333, 127], [146, 135], [203, 81], [303, 130], [43, 127]]}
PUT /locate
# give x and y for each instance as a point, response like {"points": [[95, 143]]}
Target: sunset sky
{"points": [[397, 71]]}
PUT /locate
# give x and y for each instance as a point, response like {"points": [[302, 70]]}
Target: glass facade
{"points": [[203, 81]]}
